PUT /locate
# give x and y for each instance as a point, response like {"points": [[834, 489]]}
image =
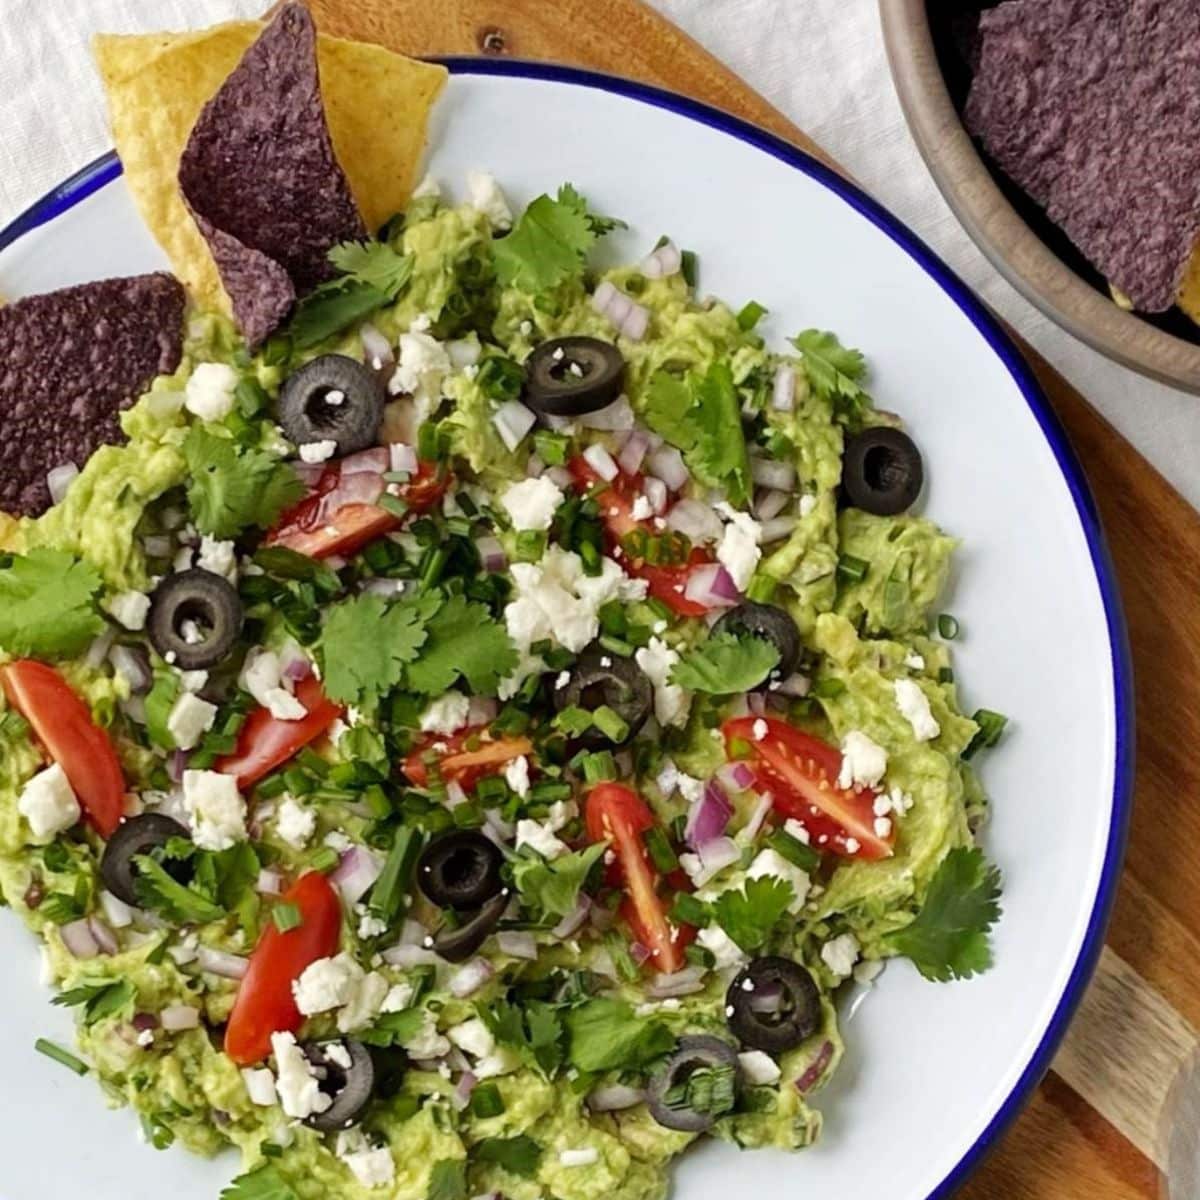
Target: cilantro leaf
{"points": [[552, 888], [448, 1180], [231, 487], [606, 1035], [534, 1030], [834, 372], [520, 1154], [48, 604], [549, 242], [725, 664], [749, 915], [263, 1183], [948, 938], [701, 416], [706, 1090], [330, 308], [394, 1029], [374, 263], [158, 890], [463, 639], [101, 998], [366, 644]]}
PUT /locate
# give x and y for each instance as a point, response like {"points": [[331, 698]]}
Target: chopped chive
{"points": [[751, 314], [617, 646], [660, 608], [297, 781], [433, 567], [689, 267], [852, 568], [428, 442], [286, 916], [272, 786], [550, 447], [61, 1056], [611, 724], [599, 767], [948, 626], [530, 545], [392, 504], [323, 860], [794, 850], [945, 675], [661, 853], [387, 894], [687, 910], [550, 790], [991, 726], [491, 789]]}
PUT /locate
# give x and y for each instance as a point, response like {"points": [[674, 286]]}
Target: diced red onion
{"points": [[464, 352], [157, 545], [402, 458], [133, 665], [176, 765], [680, 983], [639, 953], [377, 350], [656, 493], [766, 998], [757, 703], [461, 1096], [217, 962], [59, 479], [614, 1097], [762, 808], [309, 473], [106, 940], [517, 943], [413, 933], [618, 308], [771, 473], [813, 1074], [795, 685], [356, 873], [616, 417], [374, 461], [504, 830], [482, 710], [144, 1022], [737, 776], [492, 554], [178, 1017], [360, 487], [667, 463], [79, 940], [709, 817], [513, 421], [297, 668], [770, 504], [783, 397], [469, 978], [603, 296], [573, 921], [560, 477], [716, 856], [635, 323], [270, 883], [405, 957], [696, 520], [776, 529], [666, 260], [712, 586], [97, 652], [603, 463]]}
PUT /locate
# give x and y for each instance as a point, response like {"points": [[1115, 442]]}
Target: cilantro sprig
{"points": [[607, 1035], [834, 372], [749, 915], [263, 1183], [99, 999], [48, 604], [551, 889], [725, 664]]}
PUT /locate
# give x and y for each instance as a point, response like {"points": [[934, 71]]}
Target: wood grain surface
{"points": [[1094, 1129]]}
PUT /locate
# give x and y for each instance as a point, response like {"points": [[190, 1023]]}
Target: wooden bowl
{"points": [[1033, 254]]}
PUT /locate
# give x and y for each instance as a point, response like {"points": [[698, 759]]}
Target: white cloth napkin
{"points": [[821, 62]]}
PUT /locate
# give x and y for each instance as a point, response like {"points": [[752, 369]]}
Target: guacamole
{"points": [[506, 739]]}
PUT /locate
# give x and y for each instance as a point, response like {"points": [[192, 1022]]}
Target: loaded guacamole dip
{"points": [[462, 737]]}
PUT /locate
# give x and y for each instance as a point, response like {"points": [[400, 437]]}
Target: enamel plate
{"points": [[933, 1072]]}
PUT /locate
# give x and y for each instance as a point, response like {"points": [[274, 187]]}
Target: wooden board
{"points": [[1092, 1128]]}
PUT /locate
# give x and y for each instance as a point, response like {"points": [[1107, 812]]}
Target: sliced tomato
{"points": [[617, 813], [265, 742], [461, 763], [265, 1004], [664, 583], [801, 772], [321, 526], [63, 724]]}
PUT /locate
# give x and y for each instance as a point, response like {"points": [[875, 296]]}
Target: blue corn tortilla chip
{"points": [[261, 179], [70, 363], [1093, 107]]}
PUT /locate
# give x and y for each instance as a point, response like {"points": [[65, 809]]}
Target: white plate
{"points": [[933, 1072]]}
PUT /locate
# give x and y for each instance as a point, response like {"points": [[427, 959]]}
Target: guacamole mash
{"points": [[470, 745]]}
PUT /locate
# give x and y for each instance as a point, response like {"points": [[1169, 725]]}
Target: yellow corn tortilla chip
{"points": [[376, 102], [1189, 290]]}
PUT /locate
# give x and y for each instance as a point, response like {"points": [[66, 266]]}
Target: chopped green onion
{"points": [[698, 956], [617, 646], [323, 859], [687, 910], [491, 789], [530, 545], [661, 852], [948, 626], [550, 447], [63, 1057], [794, 850], [511, 720], [599, 767], [762, 588], [689, 267], [285, 916], [573, 720], [750, 316], [945, 675], [611, 724], [991, 726], [428, 442], [547, 791], [852, 568], [388, 893]]}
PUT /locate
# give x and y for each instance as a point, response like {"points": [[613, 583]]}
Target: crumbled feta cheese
{"points": [[299, 1089], [130, 609], [900, 801], [427, 1042], [690, 788], [184, 950], [852, 844], [421, 370], [484, 195], [327, 984], [421, 323], [808, 504], [366, 999], [399, 997], [759, 1069], [725, 951], [540, 837], [372, 1166], [864, 762], [840, 954], [771, 862], [738, 551], [473, 1037], [502, 1061], [260, 1086], [193, 681], [793, 828], [532, 503], [428, 188], [116, 912], [759, 729], [867, 971], [516, 775], [883, 827], [585, 1156], [369, 925], [562, 812], [48, 803], [262, 677], [671, 702], [563, 678], [914, 661], [642, 509], [190, 719], [295, 823], [210, 391], [447, 714], [318, 452], [145, 1038], [337, 840], [215, 809], [914, 707]]}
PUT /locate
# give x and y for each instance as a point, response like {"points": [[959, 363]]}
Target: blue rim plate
{"points": [[108, 168]]}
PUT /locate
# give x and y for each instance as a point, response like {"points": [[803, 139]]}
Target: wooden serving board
{"points": [[1092, 1128]]}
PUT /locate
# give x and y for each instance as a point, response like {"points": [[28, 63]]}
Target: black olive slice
{"points": [[350, 1087], [662, 1099], [460, 870], [882, 472], [571, 376], [770, 622], [137, 836], [195, 619], [333, 399], [779, 1026], [600, 679], [457, 945]]}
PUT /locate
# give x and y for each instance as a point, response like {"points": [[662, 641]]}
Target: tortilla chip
{"points": [[376, 103], [73, 361], [1189, 290]]}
